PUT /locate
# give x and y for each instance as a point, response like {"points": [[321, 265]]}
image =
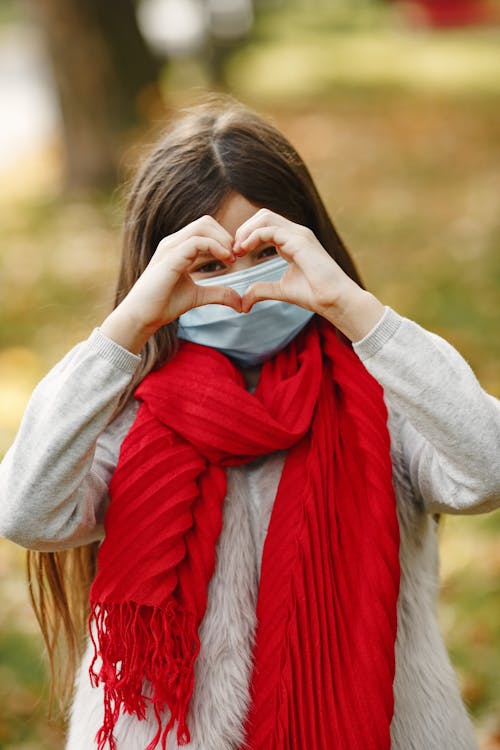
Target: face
{"points": [[231, 215]]}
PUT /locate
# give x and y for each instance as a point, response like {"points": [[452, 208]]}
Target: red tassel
{"points": [[139, 644]]}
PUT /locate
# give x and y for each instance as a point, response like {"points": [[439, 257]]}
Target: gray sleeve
{"points": [[450, 427], [54, 478]]}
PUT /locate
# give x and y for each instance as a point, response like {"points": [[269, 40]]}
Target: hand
{"points": [[313, 280], [165, 289]]}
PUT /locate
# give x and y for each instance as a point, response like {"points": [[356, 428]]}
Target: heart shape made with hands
{"points": [[311, 272], [307, 279], [239, 230]]}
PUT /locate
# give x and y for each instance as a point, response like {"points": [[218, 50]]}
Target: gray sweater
{"points": [[445, 439]]}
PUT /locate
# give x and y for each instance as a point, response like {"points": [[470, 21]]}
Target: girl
{"points": [[264, 448]]}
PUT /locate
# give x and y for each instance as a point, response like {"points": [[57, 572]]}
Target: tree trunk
{"points": [[105, 75]]}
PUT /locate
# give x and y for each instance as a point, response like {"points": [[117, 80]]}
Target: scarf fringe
{"points": [[136, 644]]}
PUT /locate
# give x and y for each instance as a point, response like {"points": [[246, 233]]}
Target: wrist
{"points": [[124, 329], [355, 313]]}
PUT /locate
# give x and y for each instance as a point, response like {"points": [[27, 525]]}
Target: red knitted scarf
{"points": [[326, 612]]}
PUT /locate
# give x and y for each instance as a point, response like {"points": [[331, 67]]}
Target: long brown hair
{"points": [[210, 151]]}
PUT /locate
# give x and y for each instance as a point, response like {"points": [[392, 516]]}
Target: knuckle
{"points": [[194, 243], [205, 221], [202, 240], [266, 213], [163, 243]]}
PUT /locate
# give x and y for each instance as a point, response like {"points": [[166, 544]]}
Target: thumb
{"points": [[259, 291], [218, 295]]}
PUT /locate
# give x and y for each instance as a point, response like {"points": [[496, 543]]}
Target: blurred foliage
{"points": [[9, 11], [23, 682], [400, 130]]}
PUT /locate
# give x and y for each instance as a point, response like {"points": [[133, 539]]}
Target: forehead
{"points": [[234, 211]]}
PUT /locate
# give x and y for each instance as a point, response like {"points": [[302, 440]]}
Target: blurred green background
{"points": [[397, 115]]}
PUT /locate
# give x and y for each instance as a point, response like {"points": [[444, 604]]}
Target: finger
{"points": [[217, 295], [205, 226], [273, 235], [263, 217], [182, 257], [259, 291]]}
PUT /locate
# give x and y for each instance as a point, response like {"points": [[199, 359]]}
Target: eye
{"points": [[268, 252], [211, 267]]}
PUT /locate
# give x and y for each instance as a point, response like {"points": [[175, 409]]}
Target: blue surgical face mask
{"points": [[249, 338]]}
